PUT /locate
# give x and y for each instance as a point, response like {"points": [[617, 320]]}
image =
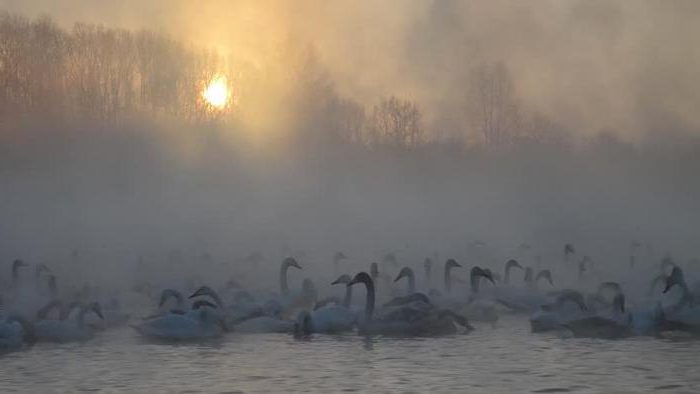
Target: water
{"points": [[504, 359]]}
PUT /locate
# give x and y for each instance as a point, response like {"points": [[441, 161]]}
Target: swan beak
{"points": [[401, 275], [98, 310], [338, 281], [669, 284], [200, 292], [456, 264]]}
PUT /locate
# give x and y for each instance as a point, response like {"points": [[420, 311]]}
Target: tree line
{"points": [[91, 72]]}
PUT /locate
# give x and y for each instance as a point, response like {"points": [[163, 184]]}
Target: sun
{"points": [[216, 93]]}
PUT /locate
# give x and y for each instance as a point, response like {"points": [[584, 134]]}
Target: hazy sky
{"points": [[590, 65]]}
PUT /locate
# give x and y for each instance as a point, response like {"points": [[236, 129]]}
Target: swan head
{"points": [[202, 304], [17, 264], [452, 263], [41, 268], [571, 295], [362, 277], [546, 274], [291, 262], [478, 272], [512, 263], [96, 308], [459, 319], [667, 264], [405, 272], [676, 278], [569, 249], [342, 279]]}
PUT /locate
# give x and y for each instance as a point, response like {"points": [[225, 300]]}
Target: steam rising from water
{"points": [[99, 197]]}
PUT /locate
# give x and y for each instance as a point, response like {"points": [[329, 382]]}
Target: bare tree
{"points": [[395, 122], [495, 108]]}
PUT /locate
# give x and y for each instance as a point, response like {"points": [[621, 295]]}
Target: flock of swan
{"points": [[659, 300]]}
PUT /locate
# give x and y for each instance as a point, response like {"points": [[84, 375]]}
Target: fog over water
{"points": [[480, 131]]}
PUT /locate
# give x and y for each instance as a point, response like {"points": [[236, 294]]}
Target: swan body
{"points": [[68, 329], [553, 315], [15, 334], [200, 323], [337, 317], [412, 319], [610, 325]]}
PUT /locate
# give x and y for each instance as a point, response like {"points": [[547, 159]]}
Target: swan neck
{"points": [[474, 283], [448, 280], [348, 296], [284, 287], [369, 305], [506, 276], [411, 282]]}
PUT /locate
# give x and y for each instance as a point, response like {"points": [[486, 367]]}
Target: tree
{"points": [[495, 108], [395, 122]]}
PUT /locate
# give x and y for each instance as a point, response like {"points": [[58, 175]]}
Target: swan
{"points": [[15, 333], [449, 265], [568, 305], [334, 318], [249, 317], [510, 264], [685, 313], [404, 320], [68, 328], [407, 272], [202, 322], [519, 299], [613, 325], [477, 307], [286, 264]]}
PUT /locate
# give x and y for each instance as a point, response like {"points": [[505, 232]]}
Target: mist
{"points": [[594, 141]]}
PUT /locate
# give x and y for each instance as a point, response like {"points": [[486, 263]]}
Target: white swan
{"points": [[613, 324], [69, 328], [405, 320], [201, 323], [479, 308], [15, 333], [685, 313], [334, 318], [567, 306]]}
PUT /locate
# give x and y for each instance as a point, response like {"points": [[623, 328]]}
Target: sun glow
{"points": [[216, 92]]}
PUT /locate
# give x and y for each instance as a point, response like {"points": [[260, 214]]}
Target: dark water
{"points": [[504, 359]]}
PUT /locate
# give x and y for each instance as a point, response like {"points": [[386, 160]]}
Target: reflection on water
{"points": [[503, 359]]}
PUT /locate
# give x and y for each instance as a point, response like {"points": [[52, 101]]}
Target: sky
{"points": [[590, 66]]}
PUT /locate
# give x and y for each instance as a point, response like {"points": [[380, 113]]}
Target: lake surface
{"points": [[502, 359]]}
